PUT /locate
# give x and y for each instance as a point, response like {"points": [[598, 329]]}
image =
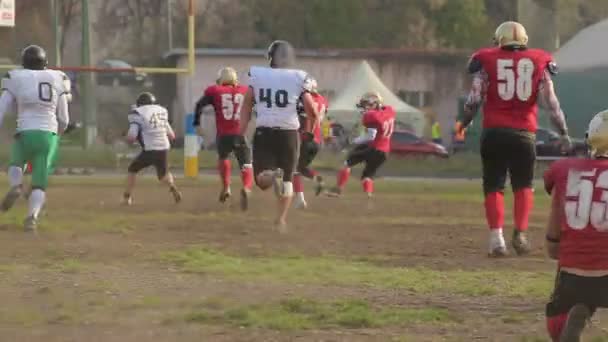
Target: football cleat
{"points": [[30, 225], [319, 185], [127, 200], [334, 192], [177, 195], [10, 198], [300, 203], [245, 194], [577, 319], [520, 243], [225, 195], [498, 252]]}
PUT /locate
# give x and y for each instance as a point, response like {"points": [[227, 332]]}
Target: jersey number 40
{"points": [[510, 83], [280, 98]]}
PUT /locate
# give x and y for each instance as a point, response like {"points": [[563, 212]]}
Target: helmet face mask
{"points": [[510, 33], [227, 76], [34, 57], [281, 54], [597, 135], [145, 98]]}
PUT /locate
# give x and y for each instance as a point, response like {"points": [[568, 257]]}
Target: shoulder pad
{"points": [[475, 65], [553, 68]]}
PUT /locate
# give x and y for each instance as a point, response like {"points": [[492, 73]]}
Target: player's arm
{"points": [[246, 110], [553, 233], [134, 127], [477, 93], [548, 100], [311, 112], [63, 113], [204, 101], [170, 132]]}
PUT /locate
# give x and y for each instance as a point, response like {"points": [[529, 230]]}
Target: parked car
{"points": [[404, 143], [548, 145], [118, 78]]}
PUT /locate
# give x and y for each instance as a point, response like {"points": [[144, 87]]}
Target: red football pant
{"points": [[297, 183], [223, 166], [247, 177], [555, 325], [495, 209], [368, 185], [343, 176], [522, 206]]}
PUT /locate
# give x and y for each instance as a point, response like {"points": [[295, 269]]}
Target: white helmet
{"points": [[597, 135]]}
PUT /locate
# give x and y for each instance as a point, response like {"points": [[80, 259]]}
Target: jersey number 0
{"points": [[510, 83]]}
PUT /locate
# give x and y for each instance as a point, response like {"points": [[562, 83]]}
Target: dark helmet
{"points": [[145, 99], [281, 54], [33, 57]]}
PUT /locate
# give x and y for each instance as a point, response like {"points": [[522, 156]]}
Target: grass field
{"points": [[411, 268]]}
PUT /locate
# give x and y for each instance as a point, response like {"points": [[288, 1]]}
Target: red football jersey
{"points": [[513, 79], [227, 102], [322, 106], [383, 120], [581, 186]]}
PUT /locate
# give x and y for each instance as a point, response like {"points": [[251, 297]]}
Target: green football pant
{"points": [[40, 149]]}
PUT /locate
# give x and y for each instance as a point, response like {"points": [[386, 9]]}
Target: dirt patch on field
{"points": [[96, 272]]}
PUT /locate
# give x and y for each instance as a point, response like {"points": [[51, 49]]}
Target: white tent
{"points": [[585, 50], [363, 79]]}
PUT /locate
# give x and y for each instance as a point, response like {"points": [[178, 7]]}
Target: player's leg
{"points": [[139, 163], [224, 149], [494, 165], [264, 158], [374, 160], [161, 164], [356, 156], [39, 145], [243, 156], [15, 174], [307, 155], [288, 150], [572, 304], [521, 167]]}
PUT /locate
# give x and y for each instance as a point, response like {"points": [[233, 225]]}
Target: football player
{"points": [[309, 152], [275, 92], [226, 97], [577, 235], [40, 98], [372, 147], [149, 125], [508, 79]]}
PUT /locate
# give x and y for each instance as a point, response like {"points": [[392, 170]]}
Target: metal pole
{"points": [[56, 31], [88, 100], [170, 23]]}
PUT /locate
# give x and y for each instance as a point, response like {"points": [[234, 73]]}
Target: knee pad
{"points": [[287, 189]]}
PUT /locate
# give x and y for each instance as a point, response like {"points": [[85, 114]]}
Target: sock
{"points": [[298, 187], [223, 167], [368, 185], [522, 206], [36, 202], [300, 196], [343, 176], [15, 176], [247, 176], [555, 325], [496, 238], [495, 209]]}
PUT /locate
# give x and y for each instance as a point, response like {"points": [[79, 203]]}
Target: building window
{"points": [[416, 98]]}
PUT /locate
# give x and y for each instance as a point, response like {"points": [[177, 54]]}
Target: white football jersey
{"points": [[151, 123], [37, 93], [276, 93]]}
